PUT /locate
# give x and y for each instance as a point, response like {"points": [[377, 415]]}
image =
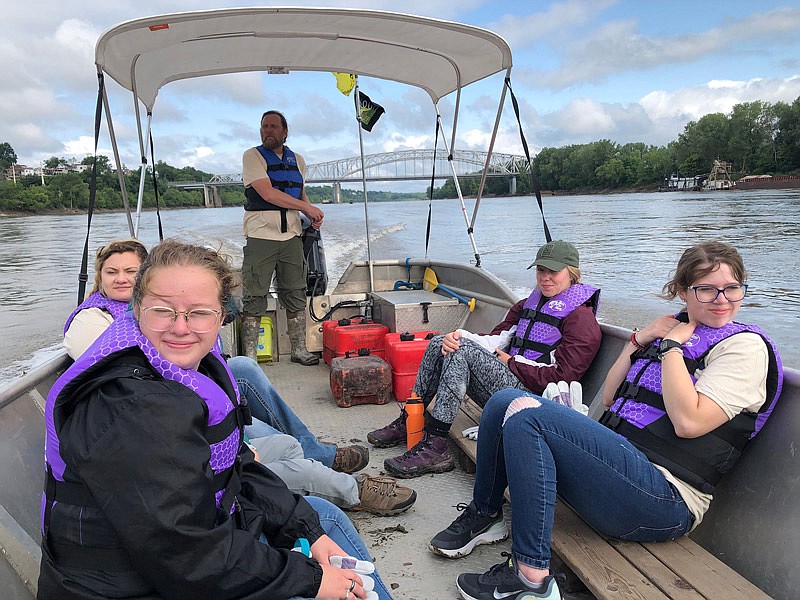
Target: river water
{"points": [[628, 244]]}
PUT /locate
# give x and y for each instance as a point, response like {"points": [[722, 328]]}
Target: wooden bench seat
{"points": [[615, 569]]}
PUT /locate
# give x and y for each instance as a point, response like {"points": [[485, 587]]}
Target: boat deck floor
{"points": [[399, 543]]}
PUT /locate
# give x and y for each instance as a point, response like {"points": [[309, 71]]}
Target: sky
{"points": [[584, 70]]}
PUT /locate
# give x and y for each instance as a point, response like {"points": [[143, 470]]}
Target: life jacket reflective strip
{"points": [[115, 308], [284, 175], [541, 318], [638, 412]]}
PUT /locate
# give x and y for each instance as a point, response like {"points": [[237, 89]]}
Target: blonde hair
{"points": [[574, 274], [172, 253], [115, 247]]}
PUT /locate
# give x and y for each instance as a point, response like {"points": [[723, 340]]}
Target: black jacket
{"points": [[138, 444]]}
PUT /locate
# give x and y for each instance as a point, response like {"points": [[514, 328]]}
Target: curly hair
{"points": [[172, 252], [700, 260], [115, 247]]}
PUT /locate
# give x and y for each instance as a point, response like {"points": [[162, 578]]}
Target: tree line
{"points": [[756, 137]]}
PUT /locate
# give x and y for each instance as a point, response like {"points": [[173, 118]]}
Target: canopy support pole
{"points": [[489, 152], [458, 190], [120, 174], [357, 99], [142, 174]]}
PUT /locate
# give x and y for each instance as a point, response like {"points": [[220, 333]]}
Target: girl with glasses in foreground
{"points": [[684, 398], [150, 491]]}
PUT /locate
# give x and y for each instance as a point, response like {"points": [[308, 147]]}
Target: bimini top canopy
{"points": [[437, 56]]}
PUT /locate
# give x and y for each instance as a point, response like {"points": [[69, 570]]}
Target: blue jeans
{"points": [[341, 530], [549, 449], [266, 405]]}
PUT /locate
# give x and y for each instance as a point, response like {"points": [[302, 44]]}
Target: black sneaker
{"points": [[502, 582], [467, 531]]}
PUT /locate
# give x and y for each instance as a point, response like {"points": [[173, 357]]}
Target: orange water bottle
{"points": [[415, 420]]}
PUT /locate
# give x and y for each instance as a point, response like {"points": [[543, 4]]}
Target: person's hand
{"points": [[657, 329], [450, 342], [502, 356], [315, 215], [324, 548], [682, 332], [340, 584]]}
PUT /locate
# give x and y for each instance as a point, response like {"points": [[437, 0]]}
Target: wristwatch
{"points": [[665, 346]]}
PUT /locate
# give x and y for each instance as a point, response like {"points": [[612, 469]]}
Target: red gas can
{"points": [[404, 353], [360, 380], [355, 337], [329, 334]]}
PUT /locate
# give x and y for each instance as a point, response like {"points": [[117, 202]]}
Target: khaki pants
{"points": [[285, 259]]}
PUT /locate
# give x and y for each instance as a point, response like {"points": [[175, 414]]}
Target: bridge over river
{"points": [[405, 165]]}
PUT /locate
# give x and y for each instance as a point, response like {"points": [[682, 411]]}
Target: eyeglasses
{"points": [[162, 318], [708, 293]]}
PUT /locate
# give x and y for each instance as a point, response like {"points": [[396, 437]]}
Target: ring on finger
{"points": [[352, 585]]}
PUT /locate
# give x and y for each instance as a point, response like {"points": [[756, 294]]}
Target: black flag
{"points": [[368, 112]]}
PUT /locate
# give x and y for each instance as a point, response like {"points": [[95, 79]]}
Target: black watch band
{"points": [[665, 346]]}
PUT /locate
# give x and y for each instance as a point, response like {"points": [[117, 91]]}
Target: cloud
{"points": [[618, 47], [558, 20]]}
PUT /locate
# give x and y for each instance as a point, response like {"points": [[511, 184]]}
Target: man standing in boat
{"points": [[273, 177]]}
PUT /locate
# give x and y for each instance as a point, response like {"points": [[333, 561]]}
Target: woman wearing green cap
{"points": [[550, 336]]}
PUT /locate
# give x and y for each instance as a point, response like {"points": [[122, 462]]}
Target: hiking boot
{"points": [[430, 455], [383, 496], [350, 459], [502, 581], [393, 434], [469, 530]]}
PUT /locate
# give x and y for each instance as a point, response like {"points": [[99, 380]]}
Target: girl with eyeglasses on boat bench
{"points": [[150, 491], [683, 399]]}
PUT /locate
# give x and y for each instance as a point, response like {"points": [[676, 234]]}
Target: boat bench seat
{"points": [[613, 569]]}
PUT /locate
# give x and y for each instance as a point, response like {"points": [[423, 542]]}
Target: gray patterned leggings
{"points": [[470, 370]]}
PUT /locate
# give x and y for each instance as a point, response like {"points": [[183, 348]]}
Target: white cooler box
{"points": [[403, 310]]}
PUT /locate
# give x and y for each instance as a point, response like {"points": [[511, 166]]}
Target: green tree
{"points": [[7, 156]]}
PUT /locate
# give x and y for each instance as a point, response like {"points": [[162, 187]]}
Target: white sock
{"points": [[536, 587]]}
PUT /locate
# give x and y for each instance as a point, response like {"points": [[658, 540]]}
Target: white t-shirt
{"points": [[735, 378], [85, 328], [266, 224]]}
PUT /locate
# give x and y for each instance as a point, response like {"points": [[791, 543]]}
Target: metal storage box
{"points": [[417, 310]]}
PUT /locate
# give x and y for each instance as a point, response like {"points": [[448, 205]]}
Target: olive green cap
{"points": [[556, 255]]}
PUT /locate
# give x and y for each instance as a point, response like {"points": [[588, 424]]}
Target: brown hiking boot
{"points": [[383, 496], [350, 459]]}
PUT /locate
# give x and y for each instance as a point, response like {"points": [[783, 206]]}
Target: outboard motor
{"points": [[317, 277]]}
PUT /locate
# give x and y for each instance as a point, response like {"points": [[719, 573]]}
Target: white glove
{"points": [[576, 392], [551, 391], [470, 433], [568, 394], [362, 567]]}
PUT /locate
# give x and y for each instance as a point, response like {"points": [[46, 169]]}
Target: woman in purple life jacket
{"points": [[550, 336], [150, 490], [115, 268], [685, 396]]}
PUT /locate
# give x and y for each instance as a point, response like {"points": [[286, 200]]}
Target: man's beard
{"points": [[272, 143]]}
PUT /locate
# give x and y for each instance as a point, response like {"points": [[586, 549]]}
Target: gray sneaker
{"points": [[469, 530]]}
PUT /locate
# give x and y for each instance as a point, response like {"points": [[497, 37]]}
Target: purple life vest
{"points": [[116, 308], [539, 327], [223, 410], [638, 413]]}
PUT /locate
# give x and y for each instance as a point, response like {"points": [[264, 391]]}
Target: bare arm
{"points": [[275, 196]]}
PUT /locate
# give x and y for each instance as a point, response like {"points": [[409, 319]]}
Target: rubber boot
{"points": [[297, 337], [250, 330]]}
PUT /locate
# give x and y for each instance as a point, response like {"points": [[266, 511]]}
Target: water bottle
{"points": [[415, 420]]}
